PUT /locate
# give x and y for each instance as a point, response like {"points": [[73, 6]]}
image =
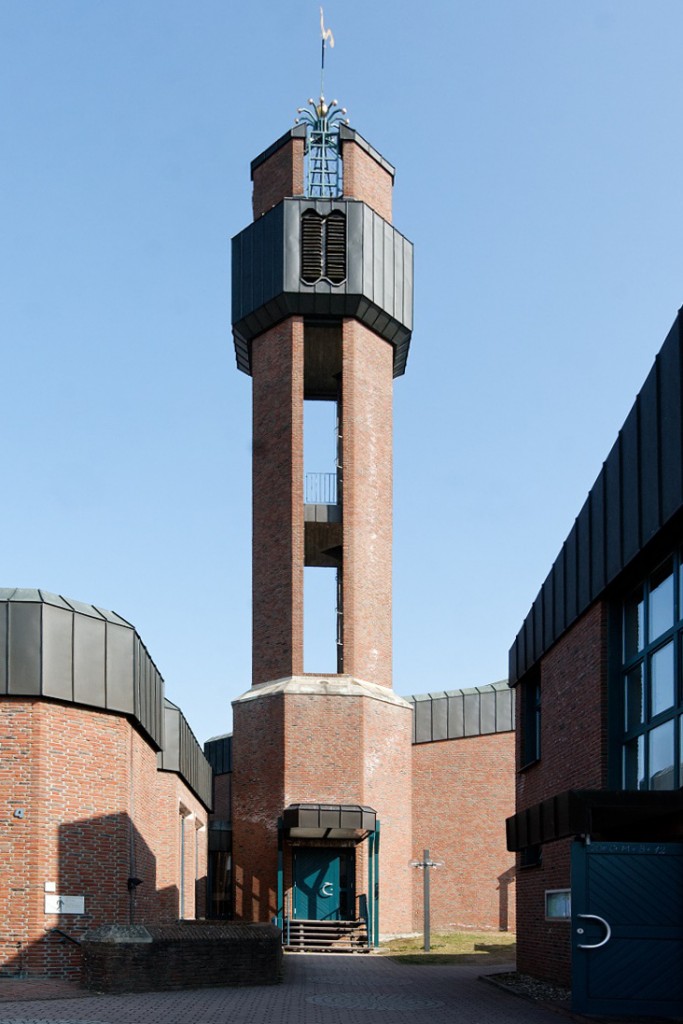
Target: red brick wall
{"points": [[367, 375], [187, 955], [387, 737], [280, 176], [323, 749], [347, 749], [573, 714], [19, 852], [278, 529], [175, 803], [367, 180], [344, 750], [544, 947], [278, 502], [258, 801], [96, 812], [463, 790], [573, 756]]}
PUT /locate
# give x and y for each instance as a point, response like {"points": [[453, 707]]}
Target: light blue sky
{"points": [[538, 153]]}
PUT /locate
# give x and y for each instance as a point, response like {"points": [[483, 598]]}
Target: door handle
{"points": [[595, 945], [327, 889]]}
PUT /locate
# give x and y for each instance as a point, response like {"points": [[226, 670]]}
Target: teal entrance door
{"points": [[627, 928], [322, 884]]}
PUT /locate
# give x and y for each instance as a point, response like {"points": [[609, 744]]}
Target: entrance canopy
{"points": [[329, 821]]}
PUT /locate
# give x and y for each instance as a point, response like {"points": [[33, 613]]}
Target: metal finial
{"points": [[322, 120]]}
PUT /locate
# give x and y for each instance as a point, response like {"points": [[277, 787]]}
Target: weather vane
{"points": [[326, 33], [323, 177]]}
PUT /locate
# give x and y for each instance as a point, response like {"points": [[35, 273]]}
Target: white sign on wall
{"points": [[55, 904]]}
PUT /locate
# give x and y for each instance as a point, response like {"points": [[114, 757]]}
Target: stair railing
{"points": [[363, 914]]}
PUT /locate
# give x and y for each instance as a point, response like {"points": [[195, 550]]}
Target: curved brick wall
{"points": [[84, 808]]}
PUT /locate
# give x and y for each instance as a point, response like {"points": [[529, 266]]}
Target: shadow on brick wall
{"points": [[104, 873], [505, 904], [255, 900]]}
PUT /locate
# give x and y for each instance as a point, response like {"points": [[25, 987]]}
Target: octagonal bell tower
{"points": [[322, 311]]}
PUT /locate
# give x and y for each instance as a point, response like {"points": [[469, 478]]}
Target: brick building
{"points": [[599, 693], [336, 783], [331, 784], [105, 791]]}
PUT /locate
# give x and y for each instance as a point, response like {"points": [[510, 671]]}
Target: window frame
{"points": [[634, 737], [530, 752]]}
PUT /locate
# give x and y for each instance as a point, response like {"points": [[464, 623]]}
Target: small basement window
{"points": [[558, 904]]}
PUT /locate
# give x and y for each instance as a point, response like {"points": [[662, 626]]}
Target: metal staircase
{"points": [[325, 936]]}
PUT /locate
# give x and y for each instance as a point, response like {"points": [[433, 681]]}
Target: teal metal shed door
{"points": [[320, 884], [627, 928]]}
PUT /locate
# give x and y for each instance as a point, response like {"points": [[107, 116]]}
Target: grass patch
{"points": [[454, 948]]}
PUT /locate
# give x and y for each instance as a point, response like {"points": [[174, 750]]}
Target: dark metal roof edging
{"points": [[586, 811], [56, 648], [325, 817], [638, 491], [347, 134], [460, 714], [297, 132], [181, 753], [218, 752], [267, 286]]}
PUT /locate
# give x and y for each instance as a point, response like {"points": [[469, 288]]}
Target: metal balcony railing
{"points": [[320, 489]]}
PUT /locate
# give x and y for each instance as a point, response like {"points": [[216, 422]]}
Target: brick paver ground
{"points": [[316, 990]]}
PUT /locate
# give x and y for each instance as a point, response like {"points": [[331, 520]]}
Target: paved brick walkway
{"points": [[316, 990]]}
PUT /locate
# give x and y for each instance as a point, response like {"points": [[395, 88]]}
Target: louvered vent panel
{"points": [[311, 247], [335, 248]]}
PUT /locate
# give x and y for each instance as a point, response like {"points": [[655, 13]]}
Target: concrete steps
{"points": [[326, 936]]}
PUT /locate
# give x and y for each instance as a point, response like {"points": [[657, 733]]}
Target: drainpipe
{"points": [[376, 891]]}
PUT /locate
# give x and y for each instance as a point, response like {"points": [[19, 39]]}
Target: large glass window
{"points": [[651, 681]]}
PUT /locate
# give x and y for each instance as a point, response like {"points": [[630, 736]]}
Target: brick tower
{"points": [[322, 311]]}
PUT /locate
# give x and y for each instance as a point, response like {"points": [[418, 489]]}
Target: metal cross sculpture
{"points": [[426, 864]]}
